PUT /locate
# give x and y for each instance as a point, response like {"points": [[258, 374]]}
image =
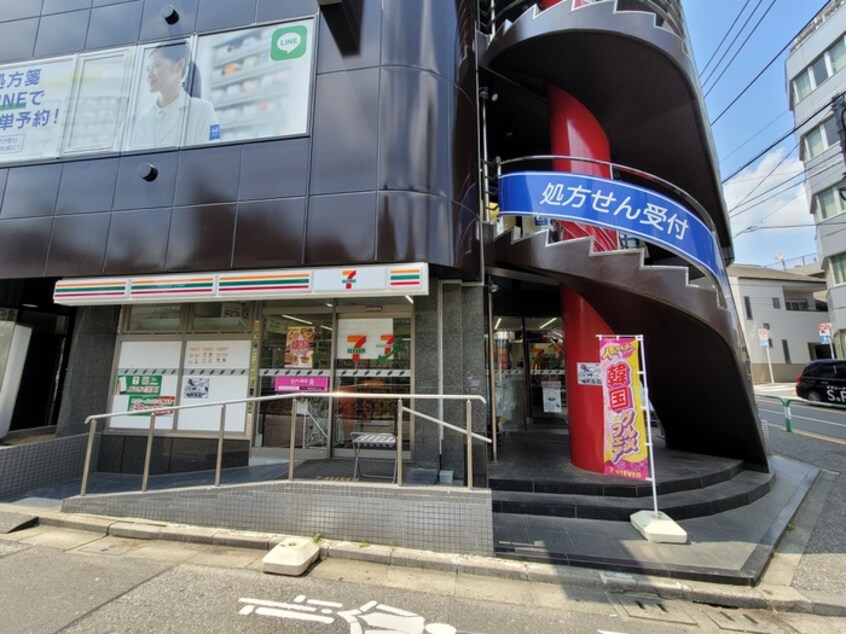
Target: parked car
{"points": [[823, 380]]}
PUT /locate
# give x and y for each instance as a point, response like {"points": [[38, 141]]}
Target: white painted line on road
{"points": [[608, 632], [290, 614]]}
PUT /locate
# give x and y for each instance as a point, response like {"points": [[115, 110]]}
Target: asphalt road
{"points": [[88, 583], [817, 419]]}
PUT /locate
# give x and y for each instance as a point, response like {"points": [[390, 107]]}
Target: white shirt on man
{"points": [[160, 127]]}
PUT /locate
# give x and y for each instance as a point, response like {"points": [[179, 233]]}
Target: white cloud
{"points": [[787, 204]]}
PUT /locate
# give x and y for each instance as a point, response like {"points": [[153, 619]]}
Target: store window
{"points": [[159, 318], [373, 355], [221, 317]]}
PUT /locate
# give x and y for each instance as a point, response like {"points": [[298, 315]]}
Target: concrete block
{"points": [[500, 568], [291, 557], [660, 528], [424, 559], [184, 533], [242, 539], [361, 552]]}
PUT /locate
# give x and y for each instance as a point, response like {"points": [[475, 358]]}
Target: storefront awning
{"points": [[361, 281]]}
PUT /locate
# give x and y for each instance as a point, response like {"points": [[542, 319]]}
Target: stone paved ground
{"points": [[823, 566]]}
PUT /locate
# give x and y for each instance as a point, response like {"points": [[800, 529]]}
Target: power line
{"points": [[737, 52], [714, 54], [723, 56], [763, 70], [802, 175], [761, 182], [775, 143], [739, 147]]}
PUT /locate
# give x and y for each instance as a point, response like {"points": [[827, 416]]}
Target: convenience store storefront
{"points": [[185, 339]]}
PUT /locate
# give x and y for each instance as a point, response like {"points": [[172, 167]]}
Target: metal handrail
{"points": [[154, 412], [787, 400]]}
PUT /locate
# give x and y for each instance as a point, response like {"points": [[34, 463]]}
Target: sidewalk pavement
{"points": [[792, 582]]}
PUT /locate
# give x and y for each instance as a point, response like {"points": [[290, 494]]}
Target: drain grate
{"points": [[652, 609], [741, 621]]}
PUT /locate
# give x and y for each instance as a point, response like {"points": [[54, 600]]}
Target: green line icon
{"points": [[288, 42]]}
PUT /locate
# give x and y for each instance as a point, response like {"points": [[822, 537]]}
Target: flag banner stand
{"points": [[626, 414]]}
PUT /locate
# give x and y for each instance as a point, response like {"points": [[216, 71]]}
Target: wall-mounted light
{"points": [[169, 14], [410, 301], [147, 171]]}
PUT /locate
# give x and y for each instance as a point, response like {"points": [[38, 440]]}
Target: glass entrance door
{"points": [[529, 372], [296, 354]]}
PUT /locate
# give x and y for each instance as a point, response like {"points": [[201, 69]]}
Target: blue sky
{"points": [[760, 117]]}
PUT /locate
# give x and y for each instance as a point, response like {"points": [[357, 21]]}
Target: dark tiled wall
{"points": [[388, 173]]}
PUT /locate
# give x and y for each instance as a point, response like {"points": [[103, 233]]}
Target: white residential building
{"points": [[816, 73], [783, 303]]}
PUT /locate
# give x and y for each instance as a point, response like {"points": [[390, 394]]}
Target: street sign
{"points": [[825, 329], [825, 339], [764, 337]]}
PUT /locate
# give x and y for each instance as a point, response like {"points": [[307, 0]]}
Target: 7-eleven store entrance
{"points": [[186, 339]]}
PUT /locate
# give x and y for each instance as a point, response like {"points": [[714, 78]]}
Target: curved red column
{"points": [[574, 131]]}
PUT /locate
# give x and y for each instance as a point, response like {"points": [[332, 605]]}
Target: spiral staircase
{"points": [[628, 62]]}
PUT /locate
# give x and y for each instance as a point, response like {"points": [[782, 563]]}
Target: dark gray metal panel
{"points": [[413, 226], [414, 139], [223, 14], [341, 229], [23, 246], [465, 155], [154, 27], [275, 169], [62, 33], [31, 191], [4, 174], [415, 34], [345, 132], [268, 10], [17, 39], [208, 175], [114, 25], [137, 242], [201, 238], [269, 233], [338, 51], [78, 245], [133, 192], [87, 186]]}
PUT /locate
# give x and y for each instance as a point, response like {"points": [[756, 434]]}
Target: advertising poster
{"points": [[196, 388], [33, 108], [551, 397], [588, 374], [299, 347], [256, 81], [137, 403], [625, 430]]}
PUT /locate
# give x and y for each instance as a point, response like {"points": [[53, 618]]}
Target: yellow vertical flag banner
{"points": [[626, 451]]}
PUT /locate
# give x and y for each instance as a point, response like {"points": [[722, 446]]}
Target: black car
{"points": [[823, 380]]}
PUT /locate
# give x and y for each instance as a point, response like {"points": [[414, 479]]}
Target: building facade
{"points": [[815, 75], [779, 309], [208, 200]]}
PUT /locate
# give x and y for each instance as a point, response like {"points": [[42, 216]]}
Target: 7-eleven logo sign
{"points": [[348, 278], [388, 341], [356, 346]]}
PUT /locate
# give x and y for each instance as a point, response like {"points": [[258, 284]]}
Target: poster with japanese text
{"points": [[33, 104], [299, 347], [625, 431]]}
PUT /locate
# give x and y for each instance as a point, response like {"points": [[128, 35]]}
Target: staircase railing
{"points": [[470, 435]]}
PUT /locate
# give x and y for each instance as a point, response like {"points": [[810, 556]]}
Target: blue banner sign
{"points": [[617, 205]]}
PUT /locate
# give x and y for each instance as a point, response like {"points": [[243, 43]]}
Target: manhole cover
{"points": [[742, 621], [653, 609]]}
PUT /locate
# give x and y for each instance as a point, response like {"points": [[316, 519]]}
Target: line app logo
{"points": [[288, 42]]}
